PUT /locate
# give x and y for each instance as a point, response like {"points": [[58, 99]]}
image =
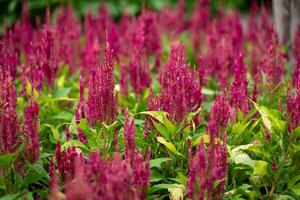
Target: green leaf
{"points": [[206, 140], [161, 129], [162, 118], [294, 184], [242, 147], [67, 116], [239, 128], [73, 128], [208, 92], [62, 92], [5, 160], [55, 133], [283, 197], [167, 186], [243, 159], [36, 173], [260, 168], [72, 143], [158, 161], [10, 197], [263, 111], [169, 145]]}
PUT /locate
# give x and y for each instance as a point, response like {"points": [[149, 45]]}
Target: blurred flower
{"points": [[208, 166], [8, 116], [220, 110], [68, 41], [272, 63], [30, 131], [238, 94], [49, 51], [129, 138]]}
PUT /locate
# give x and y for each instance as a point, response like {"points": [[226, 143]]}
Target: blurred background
{"points": [[10, 10]]}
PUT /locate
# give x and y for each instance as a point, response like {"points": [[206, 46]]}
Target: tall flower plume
{"points": [[129, 135], [293, 107], [102, 100], [180, 90], [238, 97], [30, 130], [8, 116], [69, 41], [220, 110], [139, 70], [207, 166], [272, 63], [49, 50]]}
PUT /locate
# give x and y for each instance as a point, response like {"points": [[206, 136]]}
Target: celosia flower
{"points": [[296, 74], [32, 71], [25, 31], [123, 78], [68, 133], [30, 130], [172, 21], [220, 110], [8, 116], [9, 57], [129, 138], [139, 71], [49, 51], [199, 21], [102, 100], [207, 167], [293, 108], [180, 90], [238, 94], [150, 34], [69, 41], [296, 44], [272, 63], [79, 187]]}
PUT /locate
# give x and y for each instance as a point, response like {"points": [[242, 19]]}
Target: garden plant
{"points": [[162, 104]]}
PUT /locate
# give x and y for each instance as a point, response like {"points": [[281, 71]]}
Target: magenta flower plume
{"points": [[32, 71], [296, 74], [180, 89], [238, 94], [8, 116], [296, 45], [208, 166], [25, 31], [272, 63], [30, 130], [220, 110], [139, 71], [69, 41], [129, 136], [79, 188], [49, 51], [199, 21], [293, 108], [9, 56], [102, 100], [151, 37]]}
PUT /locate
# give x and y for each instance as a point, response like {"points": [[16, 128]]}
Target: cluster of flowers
{"points": [[208, 165], [9, 124], [98, 177], [180, 84], [132, 43]]}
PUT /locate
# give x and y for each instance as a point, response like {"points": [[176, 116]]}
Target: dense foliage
{"points": [[164, 105]]}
